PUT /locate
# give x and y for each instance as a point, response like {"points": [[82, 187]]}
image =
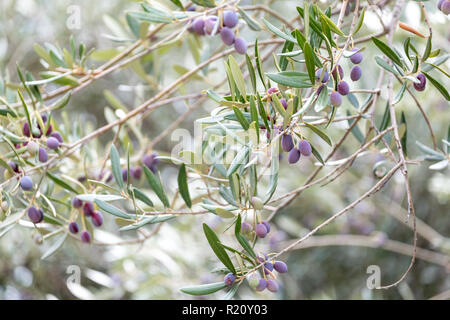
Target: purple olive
{"points": [[325, 76], [14, 166], [230, 19], [268, 267], [136, 173], [356, 58], [280, 267], [77, 203], [423, 81], [284, 103], [210, 24], [26, 183], [57, 136], [229, 279], [52, 143], [261, 230], [294, 156], [440, 3], [191, 8], [272, 90], [43, 156], [335, 74], [150, 161], [262, 259], [355, 73], [125, 174], [86, 236], [267, 225], [240, 45], [227, 36], [272, 286], [246, 227], [73, 227], [26, 129], [335, 99], [199, 26], [319, 89], [97, 219], [286, 142], [35, 215], [305, 148], [343, 88], [445, 8], [261, 285], [88, 209], [49, 130]]}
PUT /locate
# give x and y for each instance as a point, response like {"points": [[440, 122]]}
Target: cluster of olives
{"points": [[338, 75], [303, 148], [444, 6], [212, 25], [267, 281], [88, 210], [37, 144]]}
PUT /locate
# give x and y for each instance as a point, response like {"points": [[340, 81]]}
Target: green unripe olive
{"points": [[7, 174], [32, 147], [253, 280], [257, 203]]}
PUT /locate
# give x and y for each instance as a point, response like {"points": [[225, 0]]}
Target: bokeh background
{"points": [[178, 254]]}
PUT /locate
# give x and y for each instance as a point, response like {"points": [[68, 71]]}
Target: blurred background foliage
{"points": [[178, 254]]}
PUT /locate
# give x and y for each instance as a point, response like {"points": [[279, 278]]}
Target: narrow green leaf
{"points": [[56, 245], [251, 72], [115, 165], [319, 132], [142, 196], [360, 21], [400, 94], [156, 185], [205, 3], [278, 32], [237, 76], [220, 252], [56, 77], [60, 182], [108, 208], [238, 160], [144, 222], [240, 118], [330, 23], [317, 154], [405, 134], [438, 86], [252, 23], [382, 63], [387, 51], [103, 197], [427, 51], [241, 239], [309, 60], [61, 103], [183, 185], [292, 79], [204, 289], [178, 4], [386, 119]]}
